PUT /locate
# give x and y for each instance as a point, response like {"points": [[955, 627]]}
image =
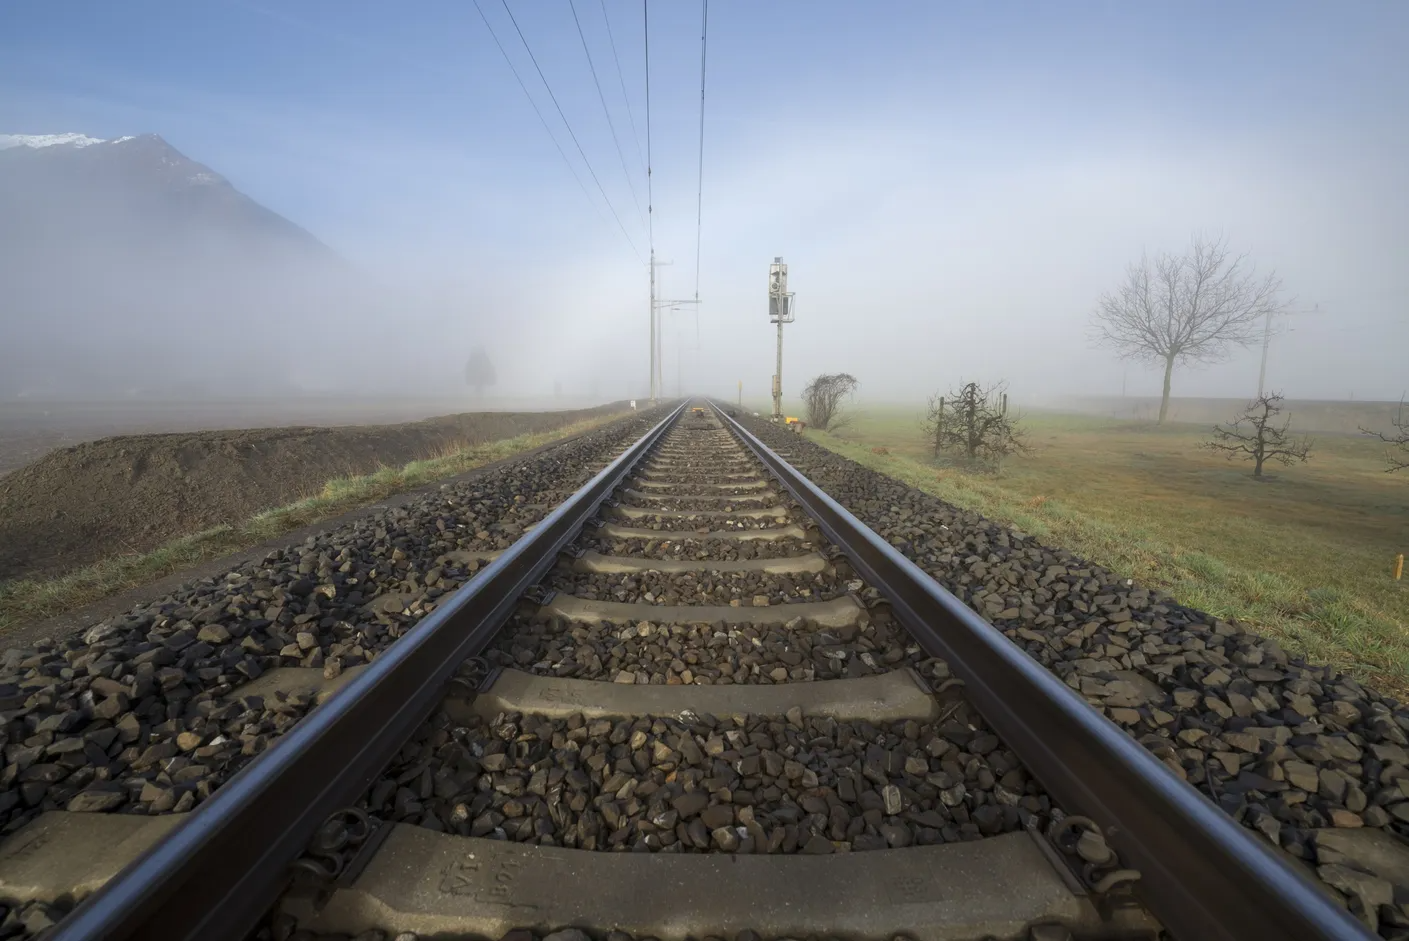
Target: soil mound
{"points": [[132, 493]]}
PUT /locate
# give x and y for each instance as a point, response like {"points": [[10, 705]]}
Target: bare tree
{"points": [[479, 371], [1255, 436], [974, 421], [1186, 308], [1398, 441], [823, 397]]}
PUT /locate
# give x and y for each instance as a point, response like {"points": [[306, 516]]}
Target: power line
{"points": [[630, 116], [699, 193], [568, 125], [539, 112], [605, 110], [650, 202]]}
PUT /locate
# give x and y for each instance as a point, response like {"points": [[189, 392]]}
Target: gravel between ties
{"points": [[647, 653], [707, 784], [699, 548], [696, 588]]}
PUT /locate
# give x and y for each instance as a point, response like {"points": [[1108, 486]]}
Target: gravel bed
{"points": [[652, 501], [1288, 748], [696, 588], [137, 714], [707, 654], [702, 488], [706, 784], [719, 550], [704, 523]]}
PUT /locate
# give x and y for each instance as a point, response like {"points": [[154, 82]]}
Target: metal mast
{"points": [[780, 311], [654, 364], [658, 330], [1266, 341]]}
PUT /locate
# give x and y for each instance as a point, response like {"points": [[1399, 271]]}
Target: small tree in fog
{"points": [[974, 422], [823, 397], [1256, 436], [1397, 455], [1187, 308], [479, 371]]}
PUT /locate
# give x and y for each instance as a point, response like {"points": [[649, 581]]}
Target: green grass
{"points": [[32, 599], [1305, 557]]}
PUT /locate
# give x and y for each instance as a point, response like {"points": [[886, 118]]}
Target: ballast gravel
{"points": [[702, 521], [708, 784], [649, 653], [699, 588], [697, 549]]}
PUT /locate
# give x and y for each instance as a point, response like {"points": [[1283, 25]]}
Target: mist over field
{"points": [[952, 189]]}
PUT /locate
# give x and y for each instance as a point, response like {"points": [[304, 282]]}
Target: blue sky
{"points": [[953, 184]]}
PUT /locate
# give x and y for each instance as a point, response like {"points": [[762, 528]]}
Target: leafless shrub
{"points": [[1255, 436], [1397, 455], [974, 422], [823, 399]]}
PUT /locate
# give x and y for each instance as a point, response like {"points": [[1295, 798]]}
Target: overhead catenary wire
{"points": [[538, 111], [699, 192], [554, 98], [650, 201], [605, 110], [630, 112]]}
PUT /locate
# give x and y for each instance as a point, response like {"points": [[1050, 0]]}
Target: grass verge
{"points": [[1324, 619], [32, 599]]}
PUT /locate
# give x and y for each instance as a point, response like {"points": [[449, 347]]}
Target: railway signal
{"points": [[780, 311]]}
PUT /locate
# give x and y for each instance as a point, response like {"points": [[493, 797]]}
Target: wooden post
{"points": [[1399, 566], [939, 427]]}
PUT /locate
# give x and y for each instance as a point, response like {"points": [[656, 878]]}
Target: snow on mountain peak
{"points": [[49, 140]]}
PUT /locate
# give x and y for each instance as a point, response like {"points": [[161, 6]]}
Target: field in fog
{"points": [[1306, 555]]}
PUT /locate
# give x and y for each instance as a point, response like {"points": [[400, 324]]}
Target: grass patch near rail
{"points": [[1305, 557], [26, 600]]}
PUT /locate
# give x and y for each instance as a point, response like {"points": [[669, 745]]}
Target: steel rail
{"points": [[215, 876], [1202, 874]]}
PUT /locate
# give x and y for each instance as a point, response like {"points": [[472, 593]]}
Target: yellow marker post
{"points": [[1399, 566]]}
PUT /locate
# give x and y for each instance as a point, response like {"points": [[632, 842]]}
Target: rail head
{"points": [[1202, 874], [214, 876]]}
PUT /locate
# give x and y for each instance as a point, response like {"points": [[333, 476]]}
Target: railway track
{"points": [[697, 699]]}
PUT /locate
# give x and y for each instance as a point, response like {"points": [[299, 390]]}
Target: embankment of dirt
{"points": [[132, 493]]}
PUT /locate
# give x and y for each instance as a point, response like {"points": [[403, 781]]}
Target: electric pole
{"points": [[654, 364], [658, 331], [1267, 341], [780, 311]]}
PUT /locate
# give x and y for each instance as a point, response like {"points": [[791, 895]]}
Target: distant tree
{"points": [[1256, 436], [479, 371], [1397, 455], [823, 398], [974, 422], [1186, 308]]}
